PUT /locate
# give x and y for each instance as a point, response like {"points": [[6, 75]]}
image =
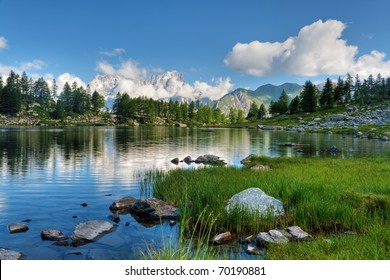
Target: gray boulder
{"points": [[297, 234], [90, 231], [175, 161], [256, 201], [333, 150], [6, 254], [123, 204], [53, 235], [273, 236], [16, 227]]}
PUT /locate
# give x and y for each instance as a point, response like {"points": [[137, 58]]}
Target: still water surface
{"points": [[46, 173]]}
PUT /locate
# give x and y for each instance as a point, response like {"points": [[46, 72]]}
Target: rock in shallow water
{"points": [[16, 227], [222, 238], [123, 204], [256, 201], [53, 235], [90, 231], [273, 236], [6, 254]]}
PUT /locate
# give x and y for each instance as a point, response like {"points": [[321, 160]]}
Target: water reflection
{"points": [[47, 173]]}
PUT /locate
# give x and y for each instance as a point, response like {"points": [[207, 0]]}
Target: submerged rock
{"points": [[6, 254], [53, 235], [253, 250], [222, 238], [256, 201], [123, 204], [90, 231], [16, 227]]}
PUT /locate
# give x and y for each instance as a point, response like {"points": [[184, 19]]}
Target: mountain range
{"points": [[172, 86]]}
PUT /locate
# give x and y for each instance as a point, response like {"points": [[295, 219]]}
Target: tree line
{"points": [[20, 93], [148, 110], [350, 90]]}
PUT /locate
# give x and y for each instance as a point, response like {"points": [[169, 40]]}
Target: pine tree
{"points": [[97, 102], [253, 112], [295, 105], [309, 97], [262, 112], [282, 104], [326, 98], [232, 115], [339, 91]]}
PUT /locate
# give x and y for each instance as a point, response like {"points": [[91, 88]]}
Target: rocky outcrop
{"points": [[188, 160], [17, 227], [6, 254], [123, 204], [279, 236], [90, 231], [222, 238], [53, 235], [255, 201]]}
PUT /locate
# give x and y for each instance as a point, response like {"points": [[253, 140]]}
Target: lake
{"points": [[47, 173]]}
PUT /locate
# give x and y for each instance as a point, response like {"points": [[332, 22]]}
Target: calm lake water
{"points": [[46, 173]]}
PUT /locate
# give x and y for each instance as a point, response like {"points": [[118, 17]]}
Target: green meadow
{"points": [[343, 203]]}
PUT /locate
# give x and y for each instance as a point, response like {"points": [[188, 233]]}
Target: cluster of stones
{"points": [[148, 212], [205, 159], [352, 118], [258, 202]]}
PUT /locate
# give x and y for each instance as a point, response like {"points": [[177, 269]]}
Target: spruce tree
{"points": [[309, 97]]}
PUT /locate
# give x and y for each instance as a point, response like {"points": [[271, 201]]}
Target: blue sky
{"points": [[197, 38]]}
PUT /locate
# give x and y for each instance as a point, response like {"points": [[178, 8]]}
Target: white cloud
{"points": [[127, 69], [135, 81], [317, 50], [70, 79], [22, 67], [114, 52], [3, 43]]}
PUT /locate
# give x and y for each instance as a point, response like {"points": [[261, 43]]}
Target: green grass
{"points": [[325, 197]]}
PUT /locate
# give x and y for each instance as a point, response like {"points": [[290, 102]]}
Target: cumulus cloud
{"points": [[3, 43], [127, 69], [318, 49], [114, 52], [70, 79], [22, 67]]}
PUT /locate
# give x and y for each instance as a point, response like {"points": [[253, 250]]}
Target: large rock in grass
{"points": [[248, 159], [273, 236], [256, 201], [90, 231], [297, 234], [222, 238], [6, 254]]}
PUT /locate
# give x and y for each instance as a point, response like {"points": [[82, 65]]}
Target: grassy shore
{"points": [[326, 197]]}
